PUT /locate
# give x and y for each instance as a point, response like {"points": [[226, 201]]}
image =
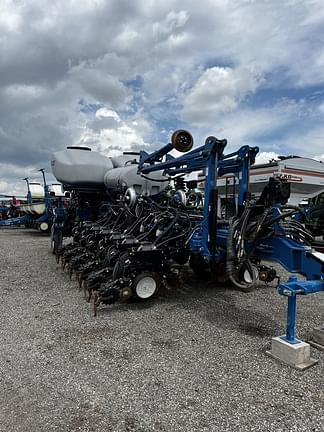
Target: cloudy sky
{"points": [[120, 74]]}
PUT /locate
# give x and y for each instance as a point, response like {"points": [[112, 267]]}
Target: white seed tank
{"points": [[77, 166], [126, 176], [36, 190], [57, 189], [80, 167]]}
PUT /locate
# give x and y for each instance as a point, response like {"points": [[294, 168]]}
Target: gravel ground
{"points": [[191, 360]]}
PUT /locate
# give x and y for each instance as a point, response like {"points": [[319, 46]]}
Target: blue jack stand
{"points": [[288, 349], [290, 335]]}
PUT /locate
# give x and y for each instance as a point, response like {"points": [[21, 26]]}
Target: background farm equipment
{"points": [[38, 205], [37, 208], [11, 213]]}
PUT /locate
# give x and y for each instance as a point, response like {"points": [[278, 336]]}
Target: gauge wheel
{"points": [[146, 285]]}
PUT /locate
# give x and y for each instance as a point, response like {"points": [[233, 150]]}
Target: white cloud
{"points": [[13, 188], [99, 85], [265, 157], [13, 183], [170, 24], [218, 90], [113, 138], [211, 60], [250, 126], [310, 142], [10, 19], [105, 112], [21, 95]]}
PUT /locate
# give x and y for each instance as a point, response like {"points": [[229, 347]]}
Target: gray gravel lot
{"points": [[191, 360]]}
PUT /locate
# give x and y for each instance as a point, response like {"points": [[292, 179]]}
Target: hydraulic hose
{"points": [[231, 267], [175, 220]]}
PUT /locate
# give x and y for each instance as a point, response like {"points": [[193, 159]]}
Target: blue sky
{"points": [[118, 75]]}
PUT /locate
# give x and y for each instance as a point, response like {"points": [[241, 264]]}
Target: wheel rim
{"points": [[146, 287], [43, 226]]}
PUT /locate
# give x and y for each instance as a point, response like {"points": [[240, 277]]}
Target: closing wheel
{"points": [[250, 274], [247, 277], [146, 285]]}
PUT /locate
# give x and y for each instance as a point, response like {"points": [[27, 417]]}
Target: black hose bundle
{"points": [[237, 262]]}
